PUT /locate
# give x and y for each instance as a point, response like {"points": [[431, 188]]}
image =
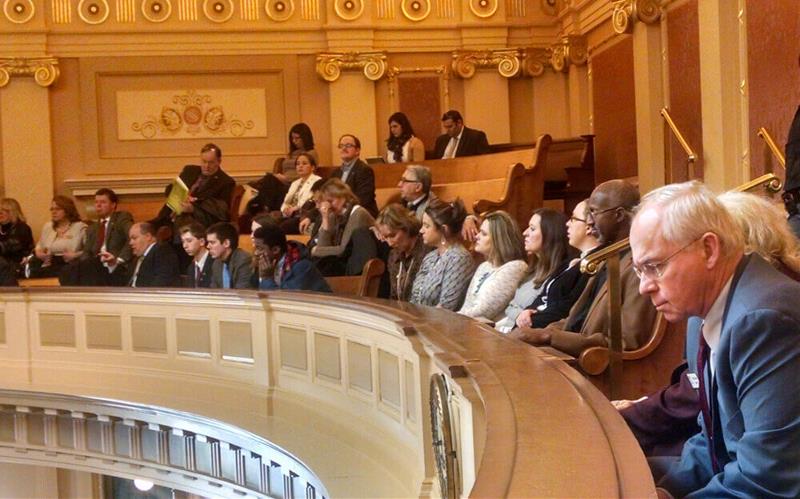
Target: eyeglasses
{"points": [[576, 219], [655, 271], [404, 180], [346, 146], [593, 213]]}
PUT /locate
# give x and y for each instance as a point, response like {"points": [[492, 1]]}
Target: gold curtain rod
{"points": [[764, 134], [691, 156]]}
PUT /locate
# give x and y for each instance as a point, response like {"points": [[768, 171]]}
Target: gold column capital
{"points": [[507, 62], [330, 65], [43, 69], [571, 49], [627, 12], [535, 60]]}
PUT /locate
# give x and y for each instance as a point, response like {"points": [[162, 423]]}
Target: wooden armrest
{"points": [[594, 360], [485, 205]]}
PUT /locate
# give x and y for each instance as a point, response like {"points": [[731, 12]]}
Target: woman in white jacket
{"points": [[299, 192]]}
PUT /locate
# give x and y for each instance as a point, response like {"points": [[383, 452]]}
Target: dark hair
{"points": [[310, 160], [264, 220], [395, 144], [397, 217], [225, 232], [355, 139], [272, 235], [111, 195], [304, 131], [447, 217], [555, 244], [68, 205], [212, 147], [147, 228], [317, 186], [452, 115], [196, 229]]}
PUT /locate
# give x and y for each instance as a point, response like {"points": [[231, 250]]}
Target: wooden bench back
{"points": [[366, 284]]}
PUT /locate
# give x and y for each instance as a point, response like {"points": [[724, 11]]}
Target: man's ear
{"points": [[712, 249], [226, 243]]}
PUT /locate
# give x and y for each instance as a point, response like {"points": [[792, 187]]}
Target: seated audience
{"points": [[232, 267], [415, 189], [61, 240], [663, 421], [610, 210], [446, 271], [355, 173], [548, 250], [193, 238], [16, 238], [496, 279], [271, 187], [400, 229], [402, 146], [344, 242], [458, 140], [299, 193], [156, 264], [106, 255], [563, 288], [742, 339], [309, 214], [282, 264], [210, 191]]}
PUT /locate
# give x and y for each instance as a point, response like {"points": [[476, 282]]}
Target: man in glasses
{"points": [[609, 213], [356, 173], [415, 189], [743, 345]]}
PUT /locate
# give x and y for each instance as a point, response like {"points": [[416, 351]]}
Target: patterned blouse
{"points": [[442, 280], [403, 270], [492, 288]]}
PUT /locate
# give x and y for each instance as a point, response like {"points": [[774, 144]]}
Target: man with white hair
{"points": [[744, 335]]}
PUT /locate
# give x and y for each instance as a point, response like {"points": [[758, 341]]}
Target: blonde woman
{"points": [[16, 238], [400, 229]]}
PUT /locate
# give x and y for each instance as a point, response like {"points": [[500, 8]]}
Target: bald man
{"points": [[610, 210]]}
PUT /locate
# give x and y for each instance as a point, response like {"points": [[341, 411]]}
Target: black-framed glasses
{"points": [[593, 213], [346, 146], [404, 180], [576, 219], [655, 271]]}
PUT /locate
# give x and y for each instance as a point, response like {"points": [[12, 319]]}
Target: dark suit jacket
{"points": [[116, 236], [159, 268], [241, 269], [362, 182], [205, 274], [754, 398], [472, 143], [213, 198]]}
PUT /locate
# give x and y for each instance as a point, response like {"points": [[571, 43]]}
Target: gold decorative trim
{"points": [[507, 62], [218, 11], [571, 49], [61, 11], [627, 12], [415, 10], [348, 10], [535, 60], [93, 11], [394, 72], [156, 11], [187, 10], [309, 10], [483, 8], [279, 10], [331, 65], [552, 7], [250, 10], [19, 11], [43, 69], [126, 11]]}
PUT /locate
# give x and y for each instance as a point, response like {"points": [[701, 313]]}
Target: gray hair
{"points": [[423, 175], [688, 211], [765, 228]]}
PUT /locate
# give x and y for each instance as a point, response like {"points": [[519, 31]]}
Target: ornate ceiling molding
{"points": [[43, 69], [571, 49], [507, 62], [372, 64], [627, 12]]}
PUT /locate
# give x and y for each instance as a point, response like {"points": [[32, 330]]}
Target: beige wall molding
{"points": [[507, 62], [627, 12], [43, 69], [330, 65], [571, 49]]}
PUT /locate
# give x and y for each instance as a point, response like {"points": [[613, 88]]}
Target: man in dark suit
{"points": [[198, 274], [745, 330], [356, 173], [106, 252], [210, 191], [232, 266], [458, 140], [156, 264]]}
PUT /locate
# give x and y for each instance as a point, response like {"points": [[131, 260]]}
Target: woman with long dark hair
{"points": [[402, 146], [61, 240]]}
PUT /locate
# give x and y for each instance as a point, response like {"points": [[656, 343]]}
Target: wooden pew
{"points": [[366, 284]]}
